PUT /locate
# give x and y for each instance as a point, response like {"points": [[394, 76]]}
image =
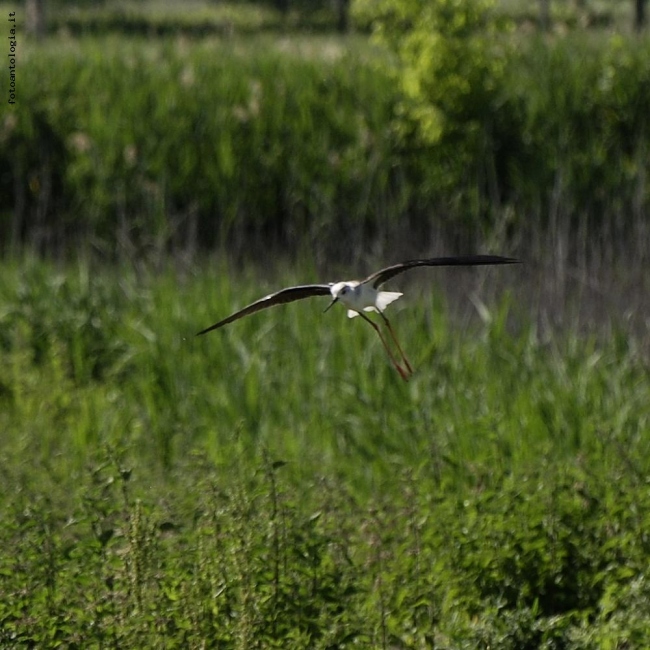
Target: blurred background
{"points": [[341, 129]]}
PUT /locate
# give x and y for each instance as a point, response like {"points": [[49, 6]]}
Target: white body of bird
{"points": [[362, 296]]}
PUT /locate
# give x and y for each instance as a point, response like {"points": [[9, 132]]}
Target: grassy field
{"points": [[277, 485]]}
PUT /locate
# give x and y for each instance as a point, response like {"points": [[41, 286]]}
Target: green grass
{"points": [[276, 484], [254, 139], [239, 135]]}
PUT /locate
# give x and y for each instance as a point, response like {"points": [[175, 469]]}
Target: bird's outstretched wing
{"points": [[278, 298], [378, 278]]}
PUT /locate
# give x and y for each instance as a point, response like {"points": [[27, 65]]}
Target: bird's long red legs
{"points": [[402, 372], [399, 347]]}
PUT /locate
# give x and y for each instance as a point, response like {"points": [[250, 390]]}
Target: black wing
{"points": [[378, 278], [278, 298]]}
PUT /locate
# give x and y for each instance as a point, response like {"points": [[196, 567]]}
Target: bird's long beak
{"points": [[333, 301]]}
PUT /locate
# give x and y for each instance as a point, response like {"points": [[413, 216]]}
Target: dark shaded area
{"points": [[131, 20], [640, 14]]}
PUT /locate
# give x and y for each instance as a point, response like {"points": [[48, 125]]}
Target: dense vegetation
{"points": [[469, 128], [241, 139], [276, 484]]}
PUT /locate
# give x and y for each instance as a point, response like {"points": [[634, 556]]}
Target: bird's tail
{"points": [[384, 298]]}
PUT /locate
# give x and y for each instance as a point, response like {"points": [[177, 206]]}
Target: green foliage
{"points": [[153, 143], [585, 141], [471, 129], [453, 57], [552, 131], [593, 15], [162, 18], [452, 63], [277, 485]]}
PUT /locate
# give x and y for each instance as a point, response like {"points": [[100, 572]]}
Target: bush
{"points": [[552, 131]]}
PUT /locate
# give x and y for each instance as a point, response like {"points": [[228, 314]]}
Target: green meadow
{"points": [[275, 484]]}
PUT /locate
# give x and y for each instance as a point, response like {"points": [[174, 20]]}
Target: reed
{"points": [[277, 482]]}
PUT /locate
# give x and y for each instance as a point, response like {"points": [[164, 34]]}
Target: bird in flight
{"points": [[361, 296]]}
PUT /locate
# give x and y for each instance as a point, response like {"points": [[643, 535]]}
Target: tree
{"points": [[452, 55]]}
